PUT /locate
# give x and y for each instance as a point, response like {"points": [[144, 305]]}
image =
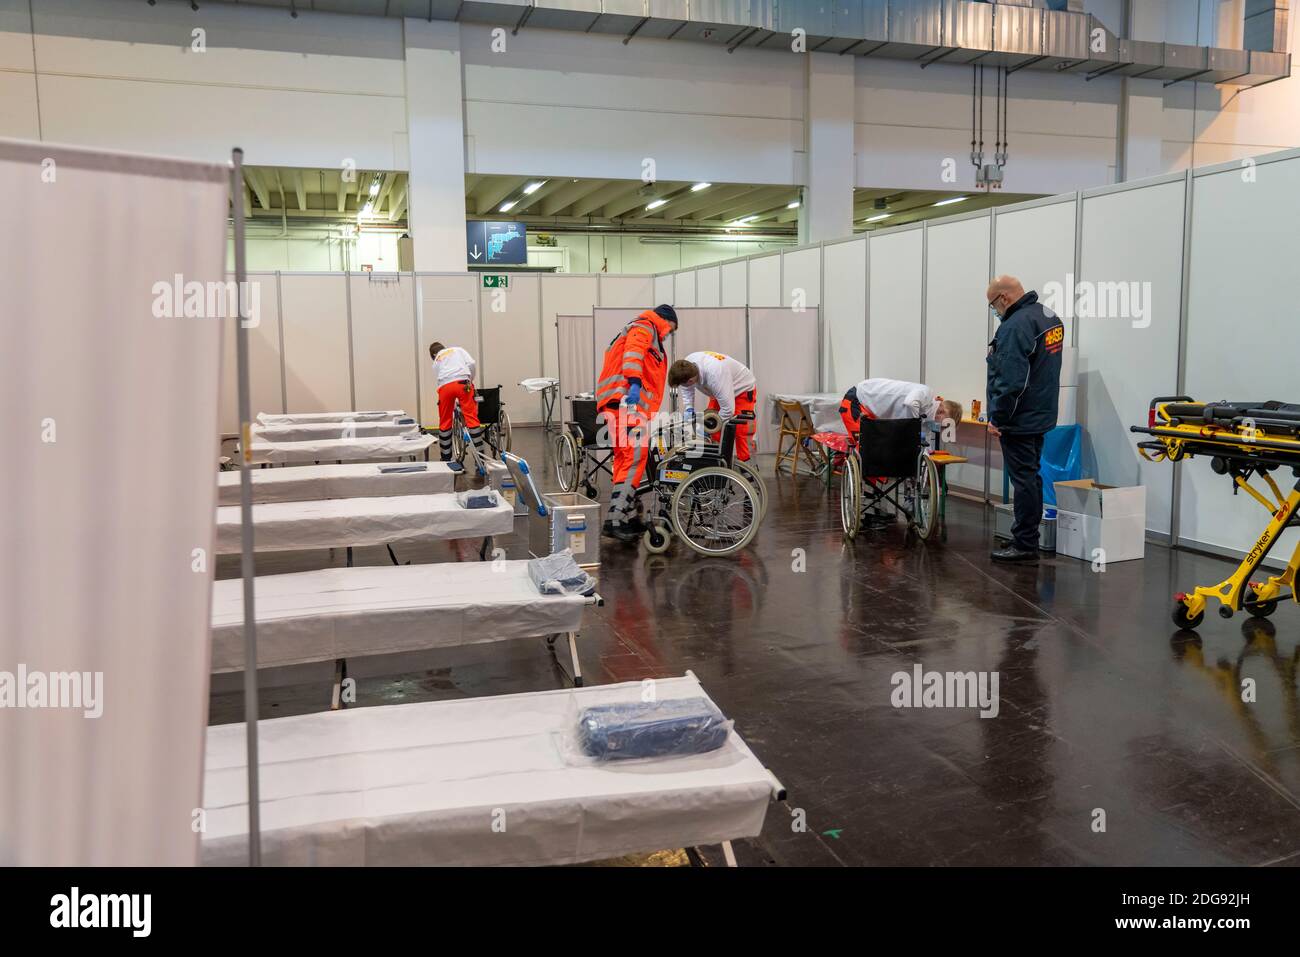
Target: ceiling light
{"points": [[656, 204], [699, 186], [374, 188], [744, 220], [954, 199], [506, 207], [533, 187], [794, 205], [876, 219], [368, 209]]}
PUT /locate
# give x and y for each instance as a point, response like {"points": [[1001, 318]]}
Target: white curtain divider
{"points": [[784, 347], [577, 368], [110, 388]]}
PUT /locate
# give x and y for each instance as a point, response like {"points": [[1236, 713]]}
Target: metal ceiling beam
{"points": [[595, 200], [495, 193], [562, 199]]}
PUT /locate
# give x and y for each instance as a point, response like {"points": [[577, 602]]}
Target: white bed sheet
{"points": [[822, 407], [423, 784], [303, 483], [374, 610], [357, 522], [342, 450], [314, 431], [297, 418]]}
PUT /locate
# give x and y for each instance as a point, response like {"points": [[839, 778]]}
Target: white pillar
{"points": [[435, 122], [827, 210]]}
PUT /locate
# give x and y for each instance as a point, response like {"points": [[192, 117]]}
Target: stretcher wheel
{"points": [[1256, 608], [1183, 620], [851, 497], [656, 539], [566, 461]]}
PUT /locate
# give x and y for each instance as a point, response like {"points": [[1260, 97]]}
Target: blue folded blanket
{"points": [[652, 729], [478, 498]]}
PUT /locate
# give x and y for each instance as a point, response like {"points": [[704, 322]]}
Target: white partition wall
{"points": [[683, 289], [844, 314], [665, 291], [1132, 269], [317, 359], [564, 295], [385, 366], [708, 286], [265, 378], [1241, 323], [957, 329], [627, 291], [735, 283], [511, 324], [801, 280], [1036, 245], [448, 314], [765, 280], [895, 291], [577, 370], [784, 354]]}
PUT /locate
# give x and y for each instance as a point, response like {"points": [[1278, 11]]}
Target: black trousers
{"points": [[1020, 456]]}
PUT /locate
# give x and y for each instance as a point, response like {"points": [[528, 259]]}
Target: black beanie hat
{"points": [[667, 313]]}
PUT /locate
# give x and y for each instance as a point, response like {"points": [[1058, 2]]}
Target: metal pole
{"points": [[246, 513]]}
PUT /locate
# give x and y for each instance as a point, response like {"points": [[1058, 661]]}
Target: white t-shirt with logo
{"points": [[721, 377], [895, 399], [453, 364]]}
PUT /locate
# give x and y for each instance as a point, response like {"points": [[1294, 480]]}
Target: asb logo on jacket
{"points": [[1054, 338]]}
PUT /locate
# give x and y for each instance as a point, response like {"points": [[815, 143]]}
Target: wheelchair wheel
{"points": [[657, 538], [751, 475], [851, 497], [715, 511], [504, 432], [458, 440], [566, 461], [925, 503]]}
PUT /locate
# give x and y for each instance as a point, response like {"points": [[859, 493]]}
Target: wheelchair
{"points": [[890, 467], [581, 452], [697, 489], [493, 419]]}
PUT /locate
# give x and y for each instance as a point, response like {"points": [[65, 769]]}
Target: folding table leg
{"points": [[340, 676], [486, 548], [728, 853], [573, 655], [349, 556]]}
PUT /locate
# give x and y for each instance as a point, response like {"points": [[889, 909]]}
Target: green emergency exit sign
{"points": [[496, 282]]}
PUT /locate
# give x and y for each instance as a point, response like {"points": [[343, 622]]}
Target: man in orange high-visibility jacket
{"points": [[629, 391]]}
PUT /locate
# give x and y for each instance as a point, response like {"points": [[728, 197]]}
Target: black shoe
{"points": [[1014, 553], [625, 533]]}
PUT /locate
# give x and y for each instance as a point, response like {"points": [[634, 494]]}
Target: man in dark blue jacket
{"points": [[1024, 379]]}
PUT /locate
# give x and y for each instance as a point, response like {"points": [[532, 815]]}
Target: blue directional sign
{"points": [[496, 244]]}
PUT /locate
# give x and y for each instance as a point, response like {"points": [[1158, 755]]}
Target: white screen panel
{"points": [[765, 281], [316, 363], [1037, 247], [711, 330], [844, 314], [577, 362], [683, 289], [448, 314], [665, 291], [1241, 320], [563, 296], [895, 291], [627, 291], [384, 356], [708, 289], [1128, 355], [803, 278], [735, 283], [783, 349], [264, 382], [512, 344], [957, 331]]}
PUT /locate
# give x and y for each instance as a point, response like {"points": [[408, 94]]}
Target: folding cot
{"points": [[478, 781], [303, 483], [356, 522], [299, 418], [408, 444], [313, 431]]}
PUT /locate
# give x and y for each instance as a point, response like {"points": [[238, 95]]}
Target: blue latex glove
{"points": [[633, 396]]}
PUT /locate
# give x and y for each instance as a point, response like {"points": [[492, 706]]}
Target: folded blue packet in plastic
{"points": [[656, 729]]}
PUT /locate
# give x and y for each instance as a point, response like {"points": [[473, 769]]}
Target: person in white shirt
{"points": [[894, 399], [727, 383], [453, 371]]}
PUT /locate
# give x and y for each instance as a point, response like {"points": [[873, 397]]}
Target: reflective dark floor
{"points": [[1118, 740]]}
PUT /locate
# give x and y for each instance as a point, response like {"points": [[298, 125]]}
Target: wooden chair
{"points": [[797, 426]]}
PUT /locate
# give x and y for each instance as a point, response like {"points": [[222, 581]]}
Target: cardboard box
{"points": [[1100, 521]]}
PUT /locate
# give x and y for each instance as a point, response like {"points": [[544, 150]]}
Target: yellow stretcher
{"points": [[1242, 440]]}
